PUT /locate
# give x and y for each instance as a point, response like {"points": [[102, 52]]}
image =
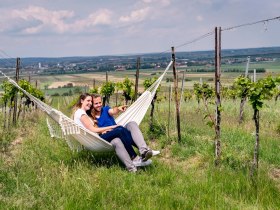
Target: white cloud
{"points": [[165, 2], [199, 18], [158, 2], [53, 20], [136, 15], [101, 17], [34, 20]]}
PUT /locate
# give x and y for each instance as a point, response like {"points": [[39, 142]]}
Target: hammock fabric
{"points": [[74, 133]]}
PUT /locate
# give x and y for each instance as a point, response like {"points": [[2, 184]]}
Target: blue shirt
{"points": [[105, 119]]}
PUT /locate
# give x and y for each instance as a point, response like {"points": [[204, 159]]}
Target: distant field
{"points": [[53, 83]]}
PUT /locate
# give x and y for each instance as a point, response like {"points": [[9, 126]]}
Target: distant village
{"points": [[197, 62]]}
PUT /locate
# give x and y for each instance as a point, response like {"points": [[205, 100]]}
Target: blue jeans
{"points": [[124, 135]]}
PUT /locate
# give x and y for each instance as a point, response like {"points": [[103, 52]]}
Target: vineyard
{"points": [[33, 162], [217, 128]]}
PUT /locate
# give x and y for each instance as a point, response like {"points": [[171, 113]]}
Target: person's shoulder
{"points": [[80, 112], [106, 108]]}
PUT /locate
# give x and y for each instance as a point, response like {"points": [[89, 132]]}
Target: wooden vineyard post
{"points": [[218, 96], [254, 76], [244, 98], [169, 109], [176, 94], [93, 84], [15, 97], [137, 79], [247, 66], [182, 90]]}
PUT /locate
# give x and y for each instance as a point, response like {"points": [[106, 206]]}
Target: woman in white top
{"points": [[81, 118]]}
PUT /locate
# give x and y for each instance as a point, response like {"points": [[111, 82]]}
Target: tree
{"points": [[197, 91], [187, 95], [107, 89], [259, 91], [205, 92], [9, 91], [242, 85], [229, 92], [93, 90], [9, 95], [127, 89], [118, 86]]}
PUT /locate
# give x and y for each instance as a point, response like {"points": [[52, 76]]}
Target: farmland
{"points": [[40, 172]]}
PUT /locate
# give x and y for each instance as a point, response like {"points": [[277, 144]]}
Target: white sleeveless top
{"points": [[77, 117]]}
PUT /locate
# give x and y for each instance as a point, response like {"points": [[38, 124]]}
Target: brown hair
{"points": [[91, 113], [82, 97], [95, 95]]}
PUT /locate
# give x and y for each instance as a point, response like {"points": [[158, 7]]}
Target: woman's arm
{"points": [[88, 125]]}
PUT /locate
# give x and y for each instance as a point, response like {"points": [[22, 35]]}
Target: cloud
{"points": [[35, 20], [199, 18], [136, 15], [161, 2], [53, 20], [101, 17]]}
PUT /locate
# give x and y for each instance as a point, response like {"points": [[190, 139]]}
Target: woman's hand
{"points": [[114, 126], [109, 128]]}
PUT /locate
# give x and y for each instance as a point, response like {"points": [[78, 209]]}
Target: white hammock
{"points": [[90, 140]]}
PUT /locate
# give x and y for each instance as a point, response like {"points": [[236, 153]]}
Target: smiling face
{"points": [[86, 103], [97, 104]]}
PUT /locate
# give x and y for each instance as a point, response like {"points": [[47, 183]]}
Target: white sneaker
{"points": [[147, 155], [138, 162], [133, 170], [155, 152]]}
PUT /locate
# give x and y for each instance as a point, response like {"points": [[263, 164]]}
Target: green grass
{"points": [[42, 173]]}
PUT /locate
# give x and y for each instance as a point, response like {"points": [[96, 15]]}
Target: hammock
{"points": [[74, 133]]}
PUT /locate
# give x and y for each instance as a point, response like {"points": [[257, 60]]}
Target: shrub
{"points": [[55, 94]]}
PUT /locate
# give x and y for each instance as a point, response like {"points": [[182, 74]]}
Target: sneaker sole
{"points": [[148, 155], [146, 163], [155, 153]]}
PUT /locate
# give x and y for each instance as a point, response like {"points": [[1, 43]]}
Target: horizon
{"points": [[139, 54]]}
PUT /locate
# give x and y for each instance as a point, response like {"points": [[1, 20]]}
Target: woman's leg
{"points": [[124, 135]]}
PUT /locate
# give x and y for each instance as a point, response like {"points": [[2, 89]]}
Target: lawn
{"points": [[38, 172]]}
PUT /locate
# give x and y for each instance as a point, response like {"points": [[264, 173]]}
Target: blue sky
{"points": [[45, 28]]}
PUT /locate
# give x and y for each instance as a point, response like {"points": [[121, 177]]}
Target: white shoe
{"points": [[140, 163], [147, 155], [155, 152], [133, 170]]}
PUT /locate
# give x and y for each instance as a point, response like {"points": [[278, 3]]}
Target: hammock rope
{"points": [[90, 140]]}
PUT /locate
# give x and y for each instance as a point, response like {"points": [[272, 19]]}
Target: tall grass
{"points": [[42, 173]]}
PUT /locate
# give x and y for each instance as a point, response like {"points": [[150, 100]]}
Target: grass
{"points": [[42, 173]]}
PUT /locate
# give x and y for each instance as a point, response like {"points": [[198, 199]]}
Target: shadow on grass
{"points": [[97, 160], [106, 159]]}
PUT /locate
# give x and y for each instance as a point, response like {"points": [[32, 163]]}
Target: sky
{"points": [[61, 28]]}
